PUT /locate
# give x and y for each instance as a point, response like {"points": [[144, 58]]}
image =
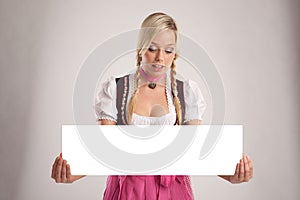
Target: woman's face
{"points": [[160, 54]]}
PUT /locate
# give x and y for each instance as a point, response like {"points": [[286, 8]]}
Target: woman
{"points": [[151, 95]]}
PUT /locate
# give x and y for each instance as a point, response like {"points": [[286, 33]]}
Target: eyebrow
{"points": [[159, 45]]}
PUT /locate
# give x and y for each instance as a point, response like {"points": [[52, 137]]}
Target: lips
{"points": [[157, 66]]}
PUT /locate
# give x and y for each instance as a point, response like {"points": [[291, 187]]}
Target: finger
{"points": [[54, 167], [237, 170], [250, 166], [247, 170], [58, 171], [64, 172], [69, 175], [242, 170]]}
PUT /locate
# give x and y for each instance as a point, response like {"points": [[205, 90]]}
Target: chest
{"points": [[151, 102]]}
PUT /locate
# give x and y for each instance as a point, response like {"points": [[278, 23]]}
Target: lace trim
{"points": [[106, 118], [167, 119], [167, 93]]}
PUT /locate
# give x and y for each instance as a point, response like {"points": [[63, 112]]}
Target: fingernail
{"points": [[60, 155]]}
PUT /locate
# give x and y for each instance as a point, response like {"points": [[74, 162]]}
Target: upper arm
{"points": [[194, 103], [106, 122], [193, 122], [105, 102]]}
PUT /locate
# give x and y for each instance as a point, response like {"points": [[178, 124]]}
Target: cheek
{"points": [[169, 60], [148, 57]]}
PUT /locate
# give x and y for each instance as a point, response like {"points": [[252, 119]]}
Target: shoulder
{"points": [[190, 85], [194, 101], [110, 82], [192, 90], [113, 81], [105, 101]]}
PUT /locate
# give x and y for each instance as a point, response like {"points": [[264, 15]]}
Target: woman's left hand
{"points": [[243, 171]]}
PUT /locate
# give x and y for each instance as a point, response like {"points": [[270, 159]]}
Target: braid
{"points": [[134, 96], [175, 93]]}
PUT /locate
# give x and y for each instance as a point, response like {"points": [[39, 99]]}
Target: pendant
{"points": [[152, 85]]}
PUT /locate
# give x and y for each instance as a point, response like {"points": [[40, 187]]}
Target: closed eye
{"points": [[168, 51], [152, 49]]}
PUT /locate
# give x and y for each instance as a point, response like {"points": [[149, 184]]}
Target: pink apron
{"points": [[148, 188]]}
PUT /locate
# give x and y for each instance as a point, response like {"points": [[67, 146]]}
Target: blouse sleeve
{"points": [[194, 102], [105, 101]]}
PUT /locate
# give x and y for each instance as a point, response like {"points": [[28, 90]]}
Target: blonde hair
{"points": [[153, 25]]}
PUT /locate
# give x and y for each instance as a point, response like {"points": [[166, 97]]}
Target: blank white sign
{"points": [[81, 146]]}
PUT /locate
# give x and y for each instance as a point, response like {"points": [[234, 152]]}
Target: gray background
{"points": [[254, 44]]}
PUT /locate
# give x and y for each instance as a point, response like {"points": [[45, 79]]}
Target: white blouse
{"points": [[105, 103]]}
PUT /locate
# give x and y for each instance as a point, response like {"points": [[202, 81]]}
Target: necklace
{"points": [[152, 80]]}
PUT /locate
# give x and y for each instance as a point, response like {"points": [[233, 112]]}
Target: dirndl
{"points": [[150, 187]]}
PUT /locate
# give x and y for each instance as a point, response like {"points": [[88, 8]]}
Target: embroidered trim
{"points": [[131, 86], [124, 100], [106, 118]]}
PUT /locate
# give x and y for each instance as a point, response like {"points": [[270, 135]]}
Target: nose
{"points": [[160, 55]]}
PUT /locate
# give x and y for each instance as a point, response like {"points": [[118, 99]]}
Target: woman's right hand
{"points": [[61, 171]]}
